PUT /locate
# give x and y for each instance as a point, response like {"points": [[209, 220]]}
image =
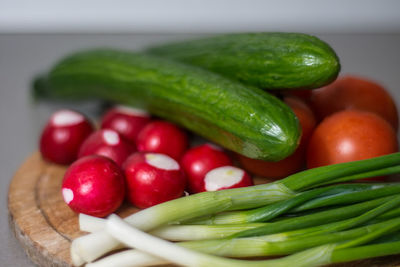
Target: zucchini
{"points": [[264, 60], [246, 120]]}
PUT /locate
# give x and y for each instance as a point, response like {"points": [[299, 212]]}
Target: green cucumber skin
{"points": [[246, 120], [265, 60]]}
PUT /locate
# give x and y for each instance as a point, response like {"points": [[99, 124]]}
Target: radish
{"points": [[63, 135], [153, 178], [93, 185], [197, 161], [108, 143], [226, 177], [126, 121], [163, 137]]}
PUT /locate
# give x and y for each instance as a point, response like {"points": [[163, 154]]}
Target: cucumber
{"points": [[265, 60], [243, 119]]}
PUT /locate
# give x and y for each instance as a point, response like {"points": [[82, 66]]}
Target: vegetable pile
{"points": [[250, 97]]}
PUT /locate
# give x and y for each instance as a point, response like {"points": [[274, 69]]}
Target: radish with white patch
{"points": [[93, 185], [226, 177], [163, 137], [108, 143], [153, 178], [63, 135], [198, 161], [126, 120]]}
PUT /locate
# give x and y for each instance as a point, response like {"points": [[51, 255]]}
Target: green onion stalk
{"points": [[287, 241], [89, 247], [201, 232], [178, 232], [315, 219], [344, 198], [364, 211], [321, 197], [316, 256], [260, 246], [276, 231]]}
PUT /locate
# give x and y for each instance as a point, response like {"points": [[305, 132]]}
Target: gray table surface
{"points": [[23, 56]]}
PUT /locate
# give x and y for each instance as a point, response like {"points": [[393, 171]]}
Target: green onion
{"points": [[137, 258], [374, 173], [200, 232], [128, 258], [369, 215], [349, 198], [387, 238], [325, 228], [263, 246], [318, 218], [365, 252], [394, 226], [331, 173], [320, 197], [135, 238], [315, 256], [92, 224], [257, 246], [390, 214], [88, 248]]}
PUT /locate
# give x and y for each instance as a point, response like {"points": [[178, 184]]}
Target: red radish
{"points": [[93, 185], [63, 135], [153, 178], [163, 137], [108, 143], [197, 161], [226, 177], [126, 121]]}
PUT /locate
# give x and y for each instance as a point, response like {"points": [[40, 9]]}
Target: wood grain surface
{"points": [[45, 226]]}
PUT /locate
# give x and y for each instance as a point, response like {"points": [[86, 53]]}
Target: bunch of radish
{"points": [[147, 161], [132, 157]]}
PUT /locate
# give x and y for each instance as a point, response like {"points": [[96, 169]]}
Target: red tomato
{"points": [[348, 136], [274, 170], [294, 162], [350, 92], [305, 115], [304, 95]]}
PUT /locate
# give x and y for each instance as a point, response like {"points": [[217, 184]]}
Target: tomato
{"points": [[304, 114], [304, 95], [296, 161], [348, 136], [351, 92], [274, 170]]}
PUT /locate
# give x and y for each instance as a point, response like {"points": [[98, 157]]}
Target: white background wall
{"points": [[196, 16]]}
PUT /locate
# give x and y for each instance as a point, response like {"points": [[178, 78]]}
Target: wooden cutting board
{"points": [[45, 226]]}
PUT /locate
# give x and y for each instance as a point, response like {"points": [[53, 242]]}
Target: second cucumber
{"points": [[243, 119], [266, 60]]}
